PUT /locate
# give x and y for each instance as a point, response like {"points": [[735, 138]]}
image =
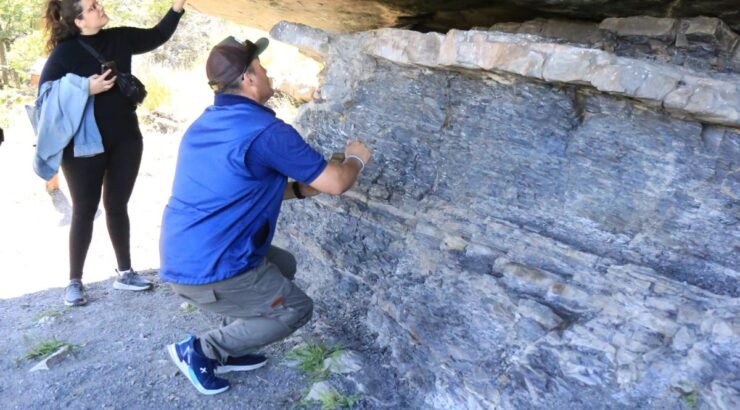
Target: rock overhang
{"points": [[438, 15]]}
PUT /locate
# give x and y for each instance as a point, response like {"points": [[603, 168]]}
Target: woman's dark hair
{"points": [[60, 18]]}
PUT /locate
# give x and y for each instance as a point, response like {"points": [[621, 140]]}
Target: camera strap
{"points": [[130, 86], [91, 51]]}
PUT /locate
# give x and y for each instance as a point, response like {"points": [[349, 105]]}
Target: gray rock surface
{"points": [[526, 236]]}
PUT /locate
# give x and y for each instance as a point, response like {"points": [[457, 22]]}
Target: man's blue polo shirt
{"points": [[231, 174]]}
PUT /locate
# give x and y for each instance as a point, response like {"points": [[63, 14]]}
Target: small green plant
{"points": [[188, 308], [311, 358], [333, 400], [50, 313], [688, 394], [690, 399], [44, 348]]}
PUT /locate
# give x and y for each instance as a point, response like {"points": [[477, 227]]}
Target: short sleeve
{"points": [[281, 149]]}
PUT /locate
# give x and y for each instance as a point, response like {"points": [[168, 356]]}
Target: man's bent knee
{"points": [[299, 314], [307, 314]]}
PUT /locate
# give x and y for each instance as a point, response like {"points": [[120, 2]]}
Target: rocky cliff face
{"points": [[442, 15], [548, 222]]}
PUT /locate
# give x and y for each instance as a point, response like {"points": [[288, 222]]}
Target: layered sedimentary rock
{"points": [[545, 224], [441, 15], [700, 43]]}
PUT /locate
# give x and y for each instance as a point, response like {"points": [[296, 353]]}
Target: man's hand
{"points": [[98, 83], [358, 149], [177, 5], [338, 178]]}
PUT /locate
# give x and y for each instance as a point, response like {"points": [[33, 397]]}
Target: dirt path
{"points": [[35, 226]]}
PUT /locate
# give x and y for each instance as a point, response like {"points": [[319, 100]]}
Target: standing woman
{"points": [[71, 23]]}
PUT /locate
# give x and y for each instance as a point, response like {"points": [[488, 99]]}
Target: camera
{"points": [[109, 65]]}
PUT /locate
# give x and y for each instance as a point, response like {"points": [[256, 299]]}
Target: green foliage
{"points": [[44, 348], [165, 71], [18, 18], [311, 358], [155, 9], [135, 13], [26, 50], [688, 393], [157, 94], [333, 400], [690, 399]]}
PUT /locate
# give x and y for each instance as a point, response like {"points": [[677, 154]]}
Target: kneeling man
{"points": [[232, 175]]}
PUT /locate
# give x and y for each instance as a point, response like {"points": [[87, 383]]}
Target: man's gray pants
{"points": [[262, 306]]}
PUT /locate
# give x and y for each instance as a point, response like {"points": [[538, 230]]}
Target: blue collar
{"points": [[220, 100]]}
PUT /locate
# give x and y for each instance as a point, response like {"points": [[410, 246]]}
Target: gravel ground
{"points": [[119, 359]]}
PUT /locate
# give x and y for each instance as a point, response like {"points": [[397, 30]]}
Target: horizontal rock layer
{"points": [[678, 90], [534, 231], [699, 43]]}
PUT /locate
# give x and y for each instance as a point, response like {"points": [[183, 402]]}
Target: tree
{"points": [[17, 19]]}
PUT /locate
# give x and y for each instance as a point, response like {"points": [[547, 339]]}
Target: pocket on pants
{"points": [[200, 297], [254, 293]]}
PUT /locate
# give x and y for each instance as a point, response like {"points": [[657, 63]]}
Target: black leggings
{"points": [[115, 172]]}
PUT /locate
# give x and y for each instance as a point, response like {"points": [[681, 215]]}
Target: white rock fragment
{"points": [[187, 307], [345, 361], [319, 390], [53, 359]]}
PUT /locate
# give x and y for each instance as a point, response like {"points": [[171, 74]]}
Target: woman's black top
{"points": [[114, 113]]}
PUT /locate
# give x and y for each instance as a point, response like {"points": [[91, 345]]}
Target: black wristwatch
{"points": [[297, 190]]}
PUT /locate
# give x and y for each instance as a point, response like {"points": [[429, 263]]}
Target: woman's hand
{"points": [[98, 83], [177, 5]]}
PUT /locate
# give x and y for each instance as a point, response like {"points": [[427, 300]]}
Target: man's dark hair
{"points": [[234, 87], [2, 136]]}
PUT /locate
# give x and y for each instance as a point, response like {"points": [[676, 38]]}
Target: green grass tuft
{"points": [[48, 313], [690, 399], [334, 400], [689, 394], [311, 358], [44, 348]]}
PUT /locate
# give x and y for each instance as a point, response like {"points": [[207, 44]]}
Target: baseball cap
{"points": [[230, 58]]}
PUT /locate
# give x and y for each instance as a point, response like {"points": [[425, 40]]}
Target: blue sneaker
{"points": [[196, 367], [241, 363]]}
